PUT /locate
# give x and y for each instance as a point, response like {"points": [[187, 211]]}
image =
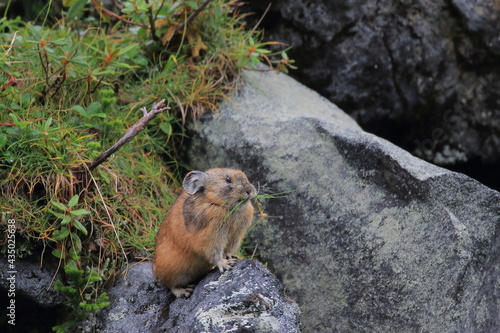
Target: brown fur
{"points": [[199, 233]]}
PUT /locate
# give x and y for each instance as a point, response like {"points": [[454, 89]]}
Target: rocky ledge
{"points": [[247, 298]]}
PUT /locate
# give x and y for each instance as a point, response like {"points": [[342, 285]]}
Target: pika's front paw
{"points": [[183, 292], [226, 264]]}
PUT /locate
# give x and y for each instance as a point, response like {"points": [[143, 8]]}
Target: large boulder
{"points": [[248, 298], [371, 238], [422, 74]]}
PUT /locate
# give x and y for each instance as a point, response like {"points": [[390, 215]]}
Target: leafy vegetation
{"points": [[72, 81]]}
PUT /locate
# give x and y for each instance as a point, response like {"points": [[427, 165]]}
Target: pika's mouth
{"points": [[248, 196]]}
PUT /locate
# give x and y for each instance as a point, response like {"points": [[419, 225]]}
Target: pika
{"points": [[204, 228]]}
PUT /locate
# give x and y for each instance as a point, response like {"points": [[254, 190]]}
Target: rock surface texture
{"points": [[423, 74], [247, 298], [372, 239], [31, 281], [30, 286]]}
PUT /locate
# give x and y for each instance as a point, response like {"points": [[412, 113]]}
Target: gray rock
{"points": [[482, 19], [372, 239], [247, 298], [31, 280], [423, 74]]}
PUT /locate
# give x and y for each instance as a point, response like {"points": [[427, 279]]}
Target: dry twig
{"points": [[133, 131], [11, 43]]}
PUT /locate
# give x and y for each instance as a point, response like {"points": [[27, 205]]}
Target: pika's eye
{"points": [[228, 179]]}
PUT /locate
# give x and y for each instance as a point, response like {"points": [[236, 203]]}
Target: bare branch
{"points": [[133, 131]]}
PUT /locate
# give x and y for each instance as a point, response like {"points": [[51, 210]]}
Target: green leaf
{"points": [[262, 51], [58, 285], [80, 110], [71, 268], [79, 212], [93, 277], [98, 72], [100, 115], [104, 176], [26, 100], [71, 73], [124, 65], [93, 108], [49, 50], [74, 200], [77, 242], [58, 205], [57, 214], [3, 140], [66, 219], [15, 106], [80, 227], [58, 253], [166, 127], [61, 234], [141, 61], [80, 60], [273, 196], [128, 48], [63, 328], [76, 8], [34, 32], [60, 42], [23, 124], [47, 124], [74, 254]]}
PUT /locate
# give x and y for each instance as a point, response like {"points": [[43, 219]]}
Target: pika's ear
{"points": [[194, 181]]}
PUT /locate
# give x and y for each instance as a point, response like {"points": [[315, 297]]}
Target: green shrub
{"points": [[71, 89]]}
